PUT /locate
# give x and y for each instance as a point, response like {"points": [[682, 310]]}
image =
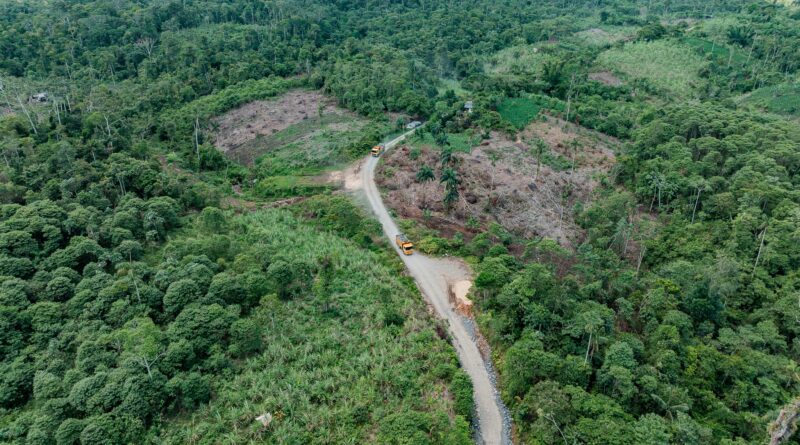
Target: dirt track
{"points": [[432, 276]]}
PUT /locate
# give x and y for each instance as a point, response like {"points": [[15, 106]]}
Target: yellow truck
{"points": [[377, 150], [404, 244]]}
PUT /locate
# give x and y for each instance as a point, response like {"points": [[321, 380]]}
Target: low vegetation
{"points": [[456, 142], [606, 36], [521, 60], [665, 65], [780, 99], [314, 145], [519, 112]]}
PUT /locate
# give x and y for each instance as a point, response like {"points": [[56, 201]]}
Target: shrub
{"points": [[462, 394]]}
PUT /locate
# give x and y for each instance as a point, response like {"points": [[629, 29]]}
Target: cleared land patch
{"points": [[248, 131], [305, 147], [451, 84], [529, 191], [665, 64]]}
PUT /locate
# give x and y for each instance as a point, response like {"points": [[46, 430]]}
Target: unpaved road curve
{"points": [[429, 277]]}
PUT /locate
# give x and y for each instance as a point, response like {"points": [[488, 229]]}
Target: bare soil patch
{"points": [[606, 78], [501, 181], [459, 299], [352, 177], [262, 118], [590, 148]]}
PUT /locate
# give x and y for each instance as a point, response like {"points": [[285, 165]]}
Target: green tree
{"points": [[651, 429], [290, 278], [212, 220], [143, 342], [594, 320], [180, 294], [245, 337]]}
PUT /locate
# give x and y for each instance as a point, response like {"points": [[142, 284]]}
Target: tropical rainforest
{"points": [[155, 290]]}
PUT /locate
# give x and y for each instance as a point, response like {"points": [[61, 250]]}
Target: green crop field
{"points": [[666, 64], [519, 111]]}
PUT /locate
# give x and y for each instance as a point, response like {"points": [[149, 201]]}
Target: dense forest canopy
{"points": [[137, 304]]}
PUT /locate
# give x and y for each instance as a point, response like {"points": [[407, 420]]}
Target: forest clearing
{"points": [[527, 186]]}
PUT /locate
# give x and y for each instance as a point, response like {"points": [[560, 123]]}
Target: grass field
{"points": [[519, 111], [668, 65], [781, 99], [462, 142], [721, 52]]}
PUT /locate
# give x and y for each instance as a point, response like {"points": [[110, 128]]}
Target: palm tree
{"points": [[441, 139], [450, 180], [446, 156], [425, 174], [740, 35]]}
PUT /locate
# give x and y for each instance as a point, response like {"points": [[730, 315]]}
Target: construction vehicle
{"points": [[377, 150], [404, 244]]}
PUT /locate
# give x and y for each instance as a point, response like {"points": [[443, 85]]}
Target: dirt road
{"points": [[432, 276]]}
